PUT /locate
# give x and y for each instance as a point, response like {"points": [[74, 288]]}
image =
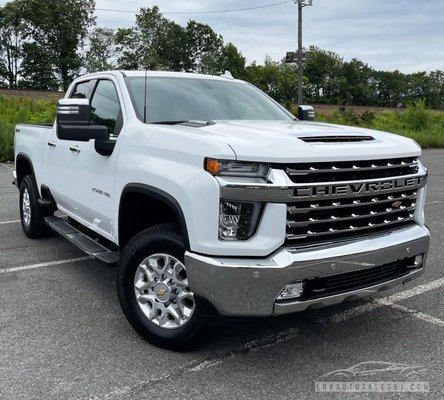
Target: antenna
{"points": [[144, 100], [227, 74]]}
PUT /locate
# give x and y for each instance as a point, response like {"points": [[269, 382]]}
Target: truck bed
{"points": [[30, 140]]}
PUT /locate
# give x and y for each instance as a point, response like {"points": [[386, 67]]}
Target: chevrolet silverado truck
{"points": [[215, 200]]}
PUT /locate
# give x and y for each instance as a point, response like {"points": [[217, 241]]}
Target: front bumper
{"points": [[249, 287]]}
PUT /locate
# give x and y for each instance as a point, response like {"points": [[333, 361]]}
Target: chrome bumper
{"points": [[249, 287]]}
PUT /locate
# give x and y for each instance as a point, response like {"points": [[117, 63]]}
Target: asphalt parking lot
{"points": [[63, 335]]}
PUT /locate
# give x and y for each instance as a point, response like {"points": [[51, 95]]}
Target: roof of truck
{"points": [[160, 74]]}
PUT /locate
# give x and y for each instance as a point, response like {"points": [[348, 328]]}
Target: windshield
{"points": [[193, 99]]}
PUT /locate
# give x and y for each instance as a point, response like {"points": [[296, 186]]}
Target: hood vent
{"points": [[336, 139]]}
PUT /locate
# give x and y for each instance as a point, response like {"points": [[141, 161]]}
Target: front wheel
{"points": [[32, 215], [153, 289]]}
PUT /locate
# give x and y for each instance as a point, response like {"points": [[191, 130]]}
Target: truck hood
{"points": [[282, 142]]}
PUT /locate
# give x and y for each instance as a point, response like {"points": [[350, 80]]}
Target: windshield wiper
{"points": [[191, 122]]}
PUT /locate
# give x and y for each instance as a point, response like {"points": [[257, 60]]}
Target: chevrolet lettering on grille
{"points": [[320, 192]]}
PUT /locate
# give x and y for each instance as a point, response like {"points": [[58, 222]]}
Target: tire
{"points": [[163, 313], [31, 214]]}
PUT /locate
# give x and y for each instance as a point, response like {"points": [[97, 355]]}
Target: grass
{"points": [[417, 122], [15, 110]]}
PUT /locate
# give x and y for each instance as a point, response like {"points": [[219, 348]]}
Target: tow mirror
{"points": [[73, 121], [306, 113]]}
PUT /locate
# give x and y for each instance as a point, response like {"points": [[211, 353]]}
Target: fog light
{"points": [[291, 291], [418, 261], [237, 220]]}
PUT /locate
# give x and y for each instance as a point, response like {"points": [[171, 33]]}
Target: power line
{"points": [[203, 12]]}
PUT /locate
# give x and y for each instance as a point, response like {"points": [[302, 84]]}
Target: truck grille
{"points": [[342, 214]]}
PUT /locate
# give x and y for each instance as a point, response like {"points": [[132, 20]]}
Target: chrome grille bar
{"points": [[354, 168], [353, 228], [346, 203], [352, 217], [351, 170]]}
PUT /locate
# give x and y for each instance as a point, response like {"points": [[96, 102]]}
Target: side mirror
{"points": [[306, 113], [73, 121]]}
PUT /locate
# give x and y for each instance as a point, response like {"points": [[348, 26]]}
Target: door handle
{"points": [[74, 149], [52, 144]]}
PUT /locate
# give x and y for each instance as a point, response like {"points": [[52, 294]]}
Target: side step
{"points": [[82, 241]]}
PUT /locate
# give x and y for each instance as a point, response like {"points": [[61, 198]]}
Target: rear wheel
{"points": [[32, 215], [154, 291]]}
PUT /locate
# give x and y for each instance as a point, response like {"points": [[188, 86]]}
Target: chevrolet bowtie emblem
{"points": [[161, 292], [397, 204]]}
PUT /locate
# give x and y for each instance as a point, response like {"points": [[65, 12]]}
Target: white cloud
{"points": [[387, 34]]}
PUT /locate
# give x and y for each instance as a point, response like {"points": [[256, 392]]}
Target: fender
{"points": [[163, 197], [19, 175]]}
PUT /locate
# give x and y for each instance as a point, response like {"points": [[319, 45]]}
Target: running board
{"points": [[82, 241]]}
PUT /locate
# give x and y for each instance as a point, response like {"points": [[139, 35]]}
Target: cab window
{"points": [[105, 107], [82, 90]]}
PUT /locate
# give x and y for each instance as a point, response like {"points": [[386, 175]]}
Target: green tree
{"points": [[277, 79], [101, 54], [436, 95], [36, 69], [205, 48], [128, 55], [232, 60], [322, 70], [154, 43], [12, 33], [60, 27], [355, 83], [389, 88]]}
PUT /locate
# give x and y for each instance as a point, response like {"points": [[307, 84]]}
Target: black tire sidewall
{"points": [[37, 227], [152, 241]]}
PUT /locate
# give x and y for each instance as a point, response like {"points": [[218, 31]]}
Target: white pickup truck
{"points": [[215, 200]]}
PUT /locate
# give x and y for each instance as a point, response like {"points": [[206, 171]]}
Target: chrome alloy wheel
{"points": [[26, 207], [162, 291]]}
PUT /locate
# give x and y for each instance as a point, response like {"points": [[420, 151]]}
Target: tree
{"points": [[205, 48], [277, 79], [436, 96], [127, 47], [389, 88], [101, 55], [36, 68], [355, 83], [11, 38], [154, 43], [60, 27], [322, 70], [232, 60]]}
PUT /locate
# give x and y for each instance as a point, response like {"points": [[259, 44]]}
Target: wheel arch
{"points": [[23, 167], [160, 199]]}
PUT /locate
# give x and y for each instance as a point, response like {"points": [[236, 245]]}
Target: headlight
{"points": [[238, 220], [236, 168]]}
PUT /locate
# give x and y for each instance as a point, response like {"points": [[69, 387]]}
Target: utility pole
{"points": [[301, 4]]}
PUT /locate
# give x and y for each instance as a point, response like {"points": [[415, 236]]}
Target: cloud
{"points": [[387, 34]]}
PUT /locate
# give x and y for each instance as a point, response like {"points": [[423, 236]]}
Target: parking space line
{"points": [[43, 265], [433, 202], [206, 363], [10, 222], [385, 301], [417, 314]]}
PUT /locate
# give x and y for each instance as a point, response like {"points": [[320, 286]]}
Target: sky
{"points": [[407, 35]]}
